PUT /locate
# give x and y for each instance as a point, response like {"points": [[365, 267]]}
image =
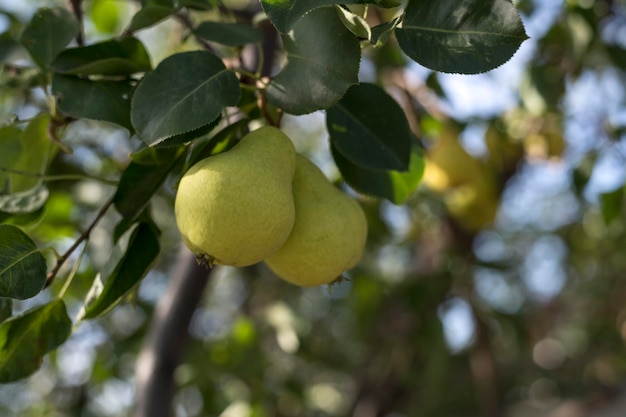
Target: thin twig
{"points": [[84, 236], [186, 21], [78, 12]]}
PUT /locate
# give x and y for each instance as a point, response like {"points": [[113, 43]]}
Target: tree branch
{"points": [[164, 343]]}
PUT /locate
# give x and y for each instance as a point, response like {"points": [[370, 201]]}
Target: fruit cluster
{"points": [[261, 201]]}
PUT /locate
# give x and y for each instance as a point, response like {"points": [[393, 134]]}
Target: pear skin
{"points": [[236, 208], [328, 236]]}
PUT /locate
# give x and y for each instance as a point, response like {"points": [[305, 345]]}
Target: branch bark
{"points": [[165, 341]]}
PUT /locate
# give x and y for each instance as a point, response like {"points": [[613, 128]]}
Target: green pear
{"points": [[236, 208], [328, 236]]}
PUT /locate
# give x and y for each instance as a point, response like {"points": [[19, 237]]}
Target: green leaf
{"points": [[124, 270], [6, 308], [10, 150], [49, 31], [112, 57], [323, 62], [98, 100], [380, 33], [284, 14], [22, 266], [24, 202], [395, 186], [185, 92], [230, 34], [220, 142], [355, 23], [26, 338], [461, 36], [37, 151], [142, 178], [369, 127], [612, 205], [189, 136], [148, 16], [7, 45]]}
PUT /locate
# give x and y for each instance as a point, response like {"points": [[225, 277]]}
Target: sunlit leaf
{"points": [[461, 36], [112, 57], [26, 338], [149, 15], [22, 266], [323, 62], [24, 202], [395, 186], [355, 23], [48, 32], [161, 108], [37, 151], [128, 264], [370, 129]]}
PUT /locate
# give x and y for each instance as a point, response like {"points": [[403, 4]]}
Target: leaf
{"points": [[140, 180], [370, 129], [230, 34], [380, 33], [22, 266], [185, 92], [26, 338], [7, 45], [189, 136], [149, 15], [612, 205], [395, 186], [461, 36], [24, 202], [124, 270], [6, 308], [48, 32], [112, 57], [221, 141], [10, 150], [355, 23], [284, 14], [37, 150], [323, 62], [97, 100]]}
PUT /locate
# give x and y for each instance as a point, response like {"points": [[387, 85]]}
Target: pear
{"points": [[328, 236], [236, 208]]}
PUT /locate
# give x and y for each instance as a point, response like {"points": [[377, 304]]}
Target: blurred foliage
{"points": [[496, 290]]}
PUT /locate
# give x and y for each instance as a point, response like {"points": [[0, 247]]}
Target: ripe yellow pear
{"points": [[328, 236], [236, 208], [448, 164]]}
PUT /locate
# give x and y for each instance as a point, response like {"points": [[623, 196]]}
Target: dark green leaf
{"points": [[112, 57], [189, 136], [370, 129], [185, 92], [26, 338], [140, 180], [24, 202], [380, 33], [10, 150], [612, 205], [323, 62], [125, 269], [49, 31], [222, 141], [461, 36], [37, 151], [231, 34], [149, 15], [395, 186], [6, 308], [284, 14], [22, 266], [7, 45], [98, 100]]}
